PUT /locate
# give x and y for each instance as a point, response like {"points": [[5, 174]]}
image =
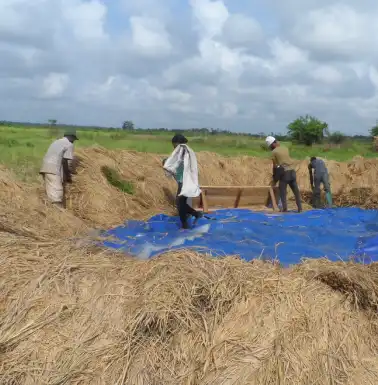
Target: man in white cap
{"points": [[283, 172], [56, 167]]}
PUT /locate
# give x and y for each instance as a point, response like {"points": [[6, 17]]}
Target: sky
{"points": [[242, 65]]}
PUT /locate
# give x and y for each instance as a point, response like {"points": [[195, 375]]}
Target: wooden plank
{"points": [[253, 200], [247, 191], [254, 197], [238, 198], [197, 202], [231, 200], [233, 187], [204, 201], [235, 197], [225, 202], [215, 191], [276, 193], [273, 198]]}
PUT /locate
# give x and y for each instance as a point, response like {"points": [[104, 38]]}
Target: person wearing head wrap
{"points": [[182, 164], [283, 172]]}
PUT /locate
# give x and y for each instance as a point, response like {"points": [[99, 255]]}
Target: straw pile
{"points": [[93, 199], [85, 316], [24, 212], [75, 317]]}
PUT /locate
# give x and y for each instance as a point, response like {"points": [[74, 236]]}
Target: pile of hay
{"points": [[81, 316], [73, 316], [24, 212], [93, 199], [94, 202]]}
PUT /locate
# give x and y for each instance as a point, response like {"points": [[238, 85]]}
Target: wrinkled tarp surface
{"points": [[338, 234]]}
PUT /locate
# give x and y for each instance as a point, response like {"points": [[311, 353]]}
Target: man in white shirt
{"points": [[56, 167]]}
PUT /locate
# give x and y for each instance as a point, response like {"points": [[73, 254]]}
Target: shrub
{"points": [[307, 130], [337, 137], [9, 142]]}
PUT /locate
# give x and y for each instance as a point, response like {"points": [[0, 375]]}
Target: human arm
{"points": [[67, 177], [274, 180], [68, 157], [311, 176], [274, 171]]}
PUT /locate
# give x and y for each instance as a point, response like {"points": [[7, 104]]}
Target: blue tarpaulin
{"points": [[338, 234]]}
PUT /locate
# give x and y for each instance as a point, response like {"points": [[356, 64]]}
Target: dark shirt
{"points": [[318, 166]]}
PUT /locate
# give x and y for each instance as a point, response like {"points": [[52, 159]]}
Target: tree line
{"points": [[307, 130]]}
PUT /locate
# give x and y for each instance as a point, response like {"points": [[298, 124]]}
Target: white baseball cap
{"points": [[270, 140]]}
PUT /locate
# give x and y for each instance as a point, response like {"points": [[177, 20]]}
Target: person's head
{"points": [[71, 136], [312, 159], [179, 139], [271, 142]]}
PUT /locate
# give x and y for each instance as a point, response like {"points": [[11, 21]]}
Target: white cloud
{"points": [[86, 19], [54, 85], [286, 54], [327, 74], [338, 29], [373, 75], [216, 55], [185, 63], [229, 109], [149, 36], [210, 15], [242, 30]]}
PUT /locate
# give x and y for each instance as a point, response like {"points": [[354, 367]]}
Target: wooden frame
{"points": [[216, 197]]}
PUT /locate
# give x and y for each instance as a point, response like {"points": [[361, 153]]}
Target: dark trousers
{"points": [[183, 208], [318, 181], [287, 178]]}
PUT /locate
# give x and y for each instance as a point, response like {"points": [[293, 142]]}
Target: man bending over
{"points": [[56, 168], [283, 172], [320, 177]]}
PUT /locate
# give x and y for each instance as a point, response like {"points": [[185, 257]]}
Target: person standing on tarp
{"points": [[182, 164], [56, 168], [283, 172], [320, 176]]}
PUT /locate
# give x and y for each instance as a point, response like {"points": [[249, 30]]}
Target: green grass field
{"points": [[22, 148]]}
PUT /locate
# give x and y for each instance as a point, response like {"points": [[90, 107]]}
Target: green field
{"points": [[22, 148]]}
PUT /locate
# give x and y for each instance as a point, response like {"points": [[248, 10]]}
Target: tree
{"points": [[128, 125], [374, 130], [307, 130], [337, 137], [52, 122]]}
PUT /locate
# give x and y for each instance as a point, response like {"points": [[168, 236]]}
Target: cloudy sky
{"points": [[244, 65]]}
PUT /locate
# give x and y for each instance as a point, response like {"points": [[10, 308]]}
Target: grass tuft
{"points": [[116, 180]]}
